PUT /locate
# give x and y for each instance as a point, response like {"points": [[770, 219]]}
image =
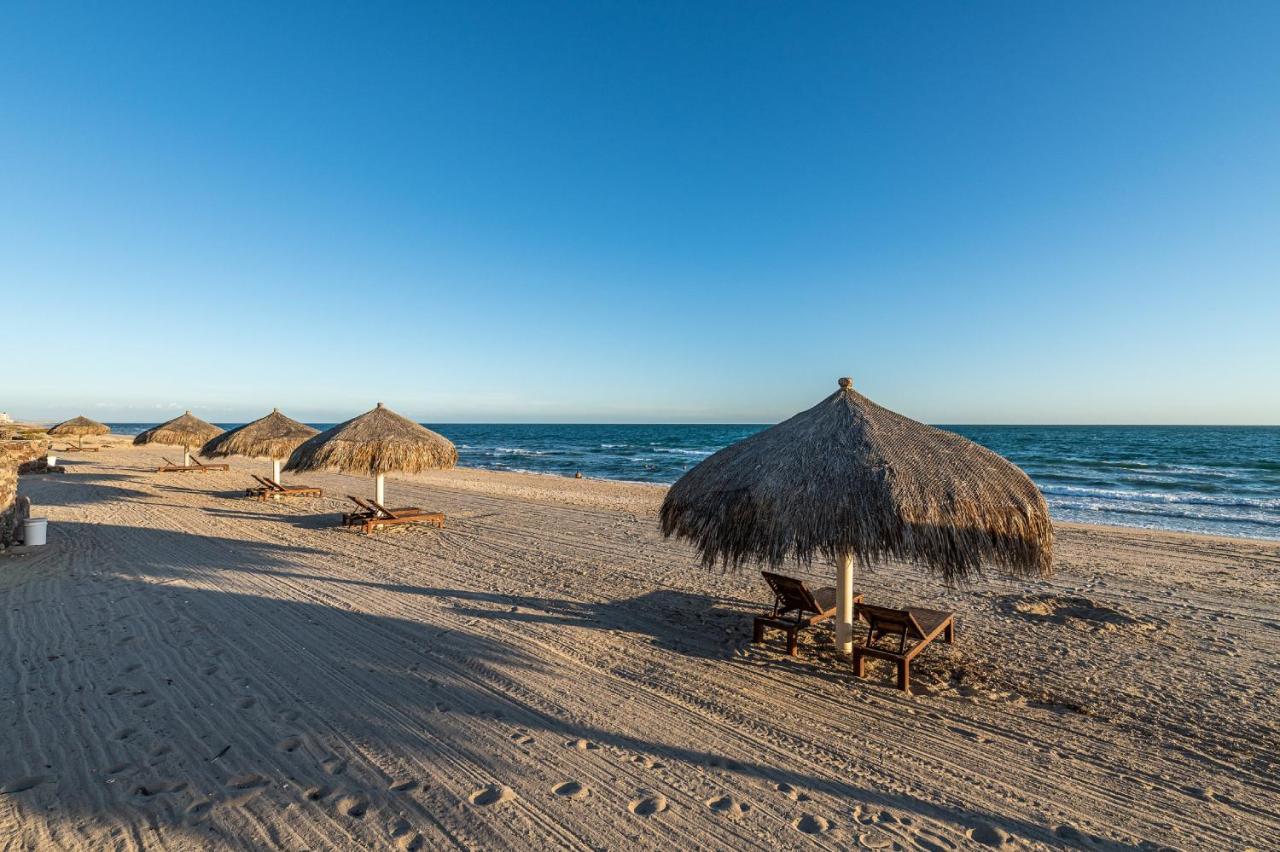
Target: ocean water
{"points": [[1219, 480]]}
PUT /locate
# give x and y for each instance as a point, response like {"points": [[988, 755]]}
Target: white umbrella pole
{"points": [[378, 489], [186, 457], [275, 471], [844, 605]]}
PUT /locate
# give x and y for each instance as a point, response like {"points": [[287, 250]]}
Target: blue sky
{"points": [[1009, 213]]}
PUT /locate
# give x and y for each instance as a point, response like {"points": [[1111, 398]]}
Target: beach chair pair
{"points": [[370, 515], [268, 489], [796, 607], [197, 467]]}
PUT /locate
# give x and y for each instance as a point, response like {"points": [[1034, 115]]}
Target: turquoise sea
{"points": [[1220, 480]]}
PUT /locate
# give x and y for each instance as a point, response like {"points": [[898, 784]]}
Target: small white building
{"points": [[5, 418]]}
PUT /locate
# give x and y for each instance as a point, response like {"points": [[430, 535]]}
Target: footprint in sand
{"points": [[23, 783], [156, 788], [727, 806], [199, 808], [989, 835], [521, 738], [209, 670], [491, 794], [288, 715], [647, 806], [315, 794], [403, 786], [334, 765], [353, 806], [118, 768], [289, 744], [874, 840], [811, 824], [246, 781], [791, 793], [246, 702], [124, 733], [404, 835], [571, 790], [581, 745]]}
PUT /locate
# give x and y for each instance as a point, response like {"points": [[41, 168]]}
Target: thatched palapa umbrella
{"points": [[186, 431], [848, 479], [375, 443], [79, 426], [272, 437]]}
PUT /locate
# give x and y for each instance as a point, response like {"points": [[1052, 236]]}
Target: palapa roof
{"points": [[848, 477], [378, 441], [273, 437], [79, 426], [185, 431]]}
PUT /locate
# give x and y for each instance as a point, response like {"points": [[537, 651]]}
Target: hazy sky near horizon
{"points": [[1009, 213]]}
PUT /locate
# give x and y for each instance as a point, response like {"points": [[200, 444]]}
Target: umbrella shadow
{"points": [[449, 667]]}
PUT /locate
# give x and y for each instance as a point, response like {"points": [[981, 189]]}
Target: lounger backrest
{"points": [[363, 505], [261, 481], [375, 504], [166, 461], [895, 620], [791, 593]]}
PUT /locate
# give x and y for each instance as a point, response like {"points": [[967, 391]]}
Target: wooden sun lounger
{"points": [[373, 515], [795, 608], [269, 489], [170, 467], [921, 625]]}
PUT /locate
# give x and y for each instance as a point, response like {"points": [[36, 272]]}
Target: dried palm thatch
{"points": [[272, 437], [848, 478], [185, 431], [376, 442], [79, 426]]}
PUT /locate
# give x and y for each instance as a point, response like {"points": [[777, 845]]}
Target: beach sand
{"points": [[188, 668]]}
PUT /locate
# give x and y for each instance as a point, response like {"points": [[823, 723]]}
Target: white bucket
{"points": [[51, 459], [35, 531]]}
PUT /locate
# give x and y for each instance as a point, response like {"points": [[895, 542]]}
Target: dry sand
{"points": [[185, 668]]}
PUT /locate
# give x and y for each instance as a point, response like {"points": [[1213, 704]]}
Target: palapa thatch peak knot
{"points": [[379, 405], [846, 383]]}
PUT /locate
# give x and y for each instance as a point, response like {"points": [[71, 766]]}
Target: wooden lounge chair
{"points": [[373, 515], [269, 489], [170, 467], [920, 625], [795, 608]]}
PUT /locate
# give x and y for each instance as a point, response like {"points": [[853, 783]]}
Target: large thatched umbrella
{"points": [[272, 437], [186, 431], [79, 426], [848, 479], [375, 443]]}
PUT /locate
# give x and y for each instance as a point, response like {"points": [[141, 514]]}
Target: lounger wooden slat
{"points": [[795, 608], [170, 467], [269, 490], [372, 515], [919, 625]]}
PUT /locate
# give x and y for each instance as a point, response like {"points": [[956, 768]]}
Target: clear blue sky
{"points": [[1014, 212]]}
